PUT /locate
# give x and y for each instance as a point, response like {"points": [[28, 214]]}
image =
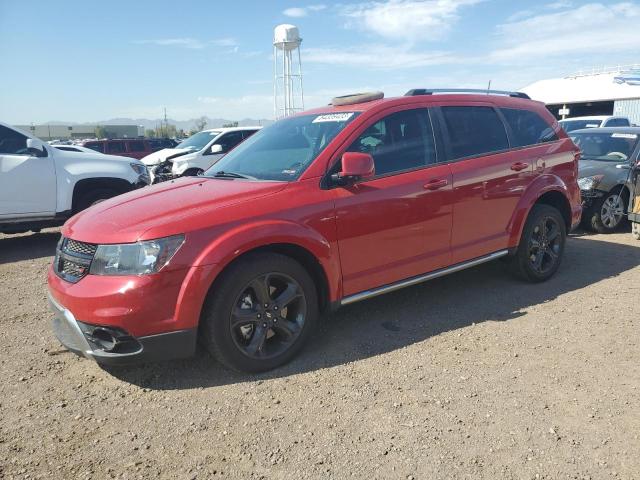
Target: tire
{"points": [[257, 342], [539, 255], [607, 213], [95, 196], [193, 172], [635, 230]]}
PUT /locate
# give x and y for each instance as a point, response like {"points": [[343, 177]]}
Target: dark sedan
{"points": [[607, 157]]}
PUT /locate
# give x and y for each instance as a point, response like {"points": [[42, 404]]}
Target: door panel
{"points": [[27, 185], [393, 228]]}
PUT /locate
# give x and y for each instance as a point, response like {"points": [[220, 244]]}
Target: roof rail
{"points": [[431, 91]]}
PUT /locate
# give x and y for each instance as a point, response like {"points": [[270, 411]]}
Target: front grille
{"points": [[79, 247], [73, 259]]}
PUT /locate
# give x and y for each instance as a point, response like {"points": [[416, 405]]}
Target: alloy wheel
{"points": [[612, 211], [545, 245], [268, 316]]}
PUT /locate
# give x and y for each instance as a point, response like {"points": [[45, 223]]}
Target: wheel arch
{"points": [[86, 185], [547, 190]]}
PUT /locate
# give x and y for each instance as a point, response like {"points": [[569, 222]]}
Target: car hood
{"points": [[97, 156], [588, 168], [161, 155], [168, 208]]}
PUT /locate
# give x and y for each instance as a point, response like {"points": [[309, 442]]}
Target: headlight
{"points": [[589, 183], [139, 169], [139, 258]]}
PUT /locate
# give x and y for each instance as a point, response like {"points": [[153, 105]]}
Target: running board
{"points": [[422, 278]]}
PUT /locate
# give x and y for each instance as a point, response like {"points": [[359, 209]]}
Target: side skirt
{"points": [[422, 278]]}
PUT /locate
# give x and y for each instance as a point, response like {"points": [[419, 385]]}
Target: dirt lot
{"points": [[472, 376]]}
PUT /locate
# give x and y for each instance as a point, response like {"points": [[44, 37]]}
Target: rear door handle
{"points": [[436, 184], [516, 167]]}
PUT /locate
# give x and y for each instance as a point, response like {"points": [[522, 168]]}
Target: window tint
{"points": [[116, 147], [136, 146], [528, 127], [618, 122], [12, 141], [401, 141], [229, 140], [247, 133], [474, 131], [97, 146]]}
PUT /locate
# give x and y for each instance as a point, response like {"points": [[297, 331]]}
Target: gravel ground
{"points": [[475, 375]]}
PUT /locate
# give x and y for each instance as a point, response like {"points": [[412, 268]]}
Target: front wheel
{"points": [[259, 313], [541, 246], [608, 212]]}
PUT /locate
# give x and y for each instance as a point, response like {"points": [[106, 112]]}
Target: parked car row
{"points": [[129, 147]]}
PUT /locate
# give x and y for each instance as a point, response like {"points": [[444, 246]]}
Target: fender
{"points": [[232, 244], [541, 185]]}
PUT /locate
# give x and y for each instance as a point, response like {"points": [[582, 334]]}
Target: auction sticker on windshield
{"points": [[632, 136], [333, 117]]}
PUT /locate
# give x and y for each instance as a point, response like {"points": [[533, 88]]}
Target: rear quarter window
{"points": [[474, 130], [528, 128]]}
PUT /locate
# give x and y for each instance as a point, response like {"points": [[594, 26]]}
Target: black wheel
{"points": [[541, 246], [93, 197], [260, 312], [608, 212], [635, 230], [193, 172]]}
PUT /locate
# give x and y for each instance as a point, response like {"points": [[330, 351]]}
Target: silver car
{"points": [[608, 155]]}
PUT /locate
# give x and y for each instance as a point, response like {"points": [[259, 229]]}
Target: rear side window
{"points": [[401, 141], [528, 127], [617, 122], [247, 133], [474, 131], [136, 146], [97, 146], [116, 147]]}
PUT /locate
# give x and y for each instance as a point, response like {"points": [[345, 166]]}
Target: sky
{"points": [[79, 61]]}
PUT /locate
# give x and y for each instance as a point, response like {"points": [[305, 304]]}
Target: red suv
{"points": [[322, 209]]}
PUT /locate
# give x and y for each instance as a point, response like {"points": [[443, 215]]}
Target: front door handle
{"points": [[518, 166], [436, 184]]}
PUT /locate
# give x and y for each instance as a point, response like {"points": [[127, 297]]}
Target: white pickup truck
{"points": [[41, 186]]}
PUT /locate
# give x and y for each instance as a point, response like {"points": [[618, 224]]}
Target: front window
{"points": [[284, 150], [610, 147], [199, 140], [571, 125]]}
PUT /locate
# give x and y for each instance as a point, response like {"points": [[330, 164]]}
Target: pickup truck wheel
{"points": [[635, 230], [541, 246], [608, 212], [93, 197], [260, 313]]}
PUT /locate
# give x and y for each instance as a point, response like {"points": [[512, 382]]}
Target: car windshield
{"points": [[571, 125], [284, 150], [606, 146], [199, 140]]}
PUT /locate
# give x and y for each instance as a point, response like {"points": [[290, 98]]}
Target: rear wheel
{"points": [[541, 246], [608, 212], [260, 313]]}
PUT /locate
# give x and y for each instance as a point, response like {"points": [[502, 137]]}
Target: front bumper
{"points": [[589, 196], [114, 346]]}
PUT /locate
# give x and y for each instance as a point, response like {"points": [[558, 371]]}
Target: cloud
{"points": [[377, 57], [593, 29], [410, 20], [190, 43], [299, 12]]}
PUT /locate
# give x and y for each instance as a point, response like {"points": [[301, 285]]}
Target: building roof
{"points": [[608, 85]]}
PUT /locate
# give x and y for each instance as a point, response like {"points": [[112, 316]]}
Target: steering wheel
{"points": [[621, 155]]}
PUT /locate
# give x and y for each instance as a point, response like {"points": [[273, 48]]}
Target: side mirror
{"points": [[36, 147], [217, 148], [355, 166]]}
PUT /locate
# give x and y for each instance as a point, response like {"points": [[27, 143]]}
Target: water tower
{"points": [[288, 95]]}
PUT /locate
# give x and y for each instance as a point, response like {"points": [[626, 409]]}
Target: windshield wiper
{"points": [[222, 174]]}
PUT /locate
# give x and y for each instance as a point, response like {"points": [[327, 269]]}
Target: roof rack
{"points": [[431, 91]]}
